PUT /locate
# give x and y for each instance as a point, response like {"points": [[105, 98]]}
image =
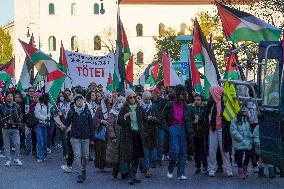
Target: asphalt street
{"points": [[48, 175]]}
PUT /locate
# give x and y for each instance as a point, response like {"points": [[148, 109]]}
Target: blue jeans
{"points": [[28, 139], [149, 158], [178, 149], [41, 135], [160, 144]]}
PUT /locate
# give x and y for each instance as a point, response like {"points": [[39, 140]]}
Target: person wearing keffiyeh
{"points": [[150, 132]]}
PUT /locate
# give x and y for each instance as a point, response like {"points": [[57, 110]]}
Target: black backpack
{"points": [[31, 121]]}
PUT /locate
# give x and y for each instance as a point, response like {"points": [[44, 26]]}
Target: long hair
{"points": [[241, 118]]}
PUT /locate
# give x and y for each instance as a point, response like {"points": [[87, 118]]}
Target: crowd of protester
{"points": [[138, 130]]}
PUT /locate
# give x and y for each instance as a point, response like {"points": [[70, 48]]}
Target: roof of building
{"points": [[7, 26], [172, 2]]}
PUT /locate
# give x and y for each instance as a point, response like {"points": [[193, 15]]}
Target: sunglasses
{"points": [[132, 97]]}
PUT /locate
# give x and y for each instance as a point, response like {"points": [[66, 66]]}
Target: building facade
{"points": [[90, 26]]}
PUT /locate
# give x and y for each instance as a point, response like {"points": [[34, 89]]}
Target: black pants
{"points": [[239, 157], [138, 152], [200, 151]]}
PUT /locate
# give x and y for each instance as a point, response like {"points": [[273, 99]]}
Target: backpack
{"points": [[31, 120]]}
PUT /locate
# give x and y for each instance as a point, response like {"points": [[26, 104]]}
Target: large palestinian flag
{"points": [[43, 62], [122, 56], [202, 52], [47, 67], [241, 26]]}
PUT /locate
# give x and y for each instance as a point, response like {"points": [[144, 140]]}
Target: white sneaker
{"points": [[230, 174], [211, 174], [18, 162], [182, 177], [66, 168], [2, 156], [170, 175], [39, 160], [8, 163], [48, 151]]}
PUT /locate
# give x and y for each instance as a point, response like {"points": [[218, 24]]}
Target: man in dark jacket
{"points": [[82, 131], [11, 118], [200, 134], [177, 118]]}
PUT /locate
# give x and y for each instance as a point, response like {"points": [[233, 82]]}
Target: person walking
{"points": [[11, 118], [219, 133], [177, 117], [132, 120], [82, 133]]}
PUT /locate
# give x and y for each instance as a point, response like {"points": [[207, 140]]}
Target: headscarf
{"points": [[216, 93], [116, 108]]}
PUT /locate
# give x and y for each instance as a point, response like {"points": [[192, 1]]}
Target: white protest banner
{"points": [[84, 69]]}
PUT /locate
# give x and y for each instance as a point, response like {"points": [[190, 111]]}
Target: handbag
{"points": [[101, 133]]}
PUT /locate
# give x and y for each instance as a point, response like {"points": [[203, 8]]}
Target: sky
{"points": [[6, 11]]}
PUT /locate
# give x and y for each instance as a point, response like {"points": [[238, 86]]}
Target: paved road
{"points": [[48, 175]]}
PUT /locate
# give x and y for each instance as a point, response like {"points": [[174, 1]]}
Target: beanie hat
{"points": [[146, 94], [129, 92], [78, 96]]}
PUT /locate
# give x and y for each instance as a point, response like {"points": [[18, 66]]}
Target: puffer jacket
{"points": [[242, 137], [256, 139], [41, 112]]}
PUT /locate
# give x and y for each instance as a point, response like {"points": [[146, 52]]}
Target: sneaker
{"points": [[230, 174], [18, 162], [2, 156], [8, 163], [48, 150], [211, 174], [170, 175], [39, 160], [182, 177], [66, 168], [13, 149]]}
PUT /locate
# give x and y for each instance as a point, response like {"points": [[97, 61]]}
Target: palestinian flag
{"points": [[195, 77], [129, 71], [25, 78], [54, 82], [122, 56], [7, 71], [110, 83], [231, 72], [170, 76], [43, 62], [202, 52], [150, 75], [62, 60], [241, 26]]}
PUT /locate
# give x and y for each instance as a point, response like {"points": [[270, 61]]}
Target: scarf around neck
{"points": [[79, 110], [145, 106]]}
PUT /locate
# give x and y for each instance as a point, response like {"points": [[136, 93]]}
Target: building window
{"points": [[139, 30], [74, 43], [183, 28], [73, 9], [162, 29], [52, 43], [97, 43], [51, 9], [140, 57], [96, 8]]}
